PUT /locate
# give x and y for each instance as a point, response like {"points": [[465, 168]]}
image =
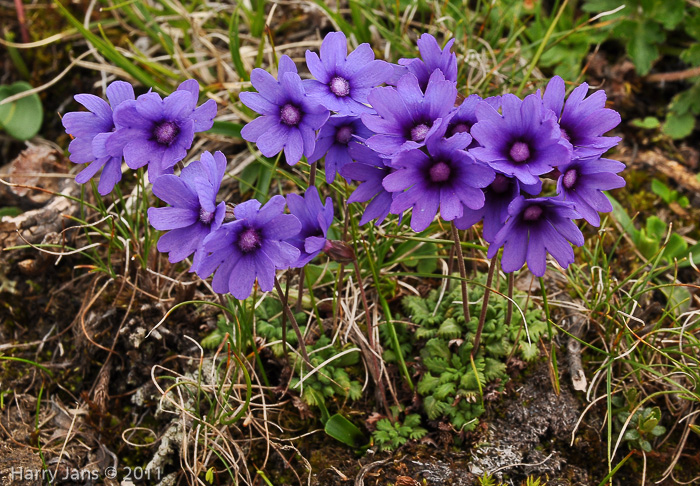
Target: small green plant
{"points": [[453, 385], [390, 436], [21, 118], [667, 194], [643, 427], [650, 28], [329, 380], [534, 481], [268, 323], [488, 480], [650, 239]]}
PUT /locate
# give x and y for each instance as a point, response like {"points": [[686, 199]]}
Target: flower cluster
{"points": [[145, 131], [400, 131]]}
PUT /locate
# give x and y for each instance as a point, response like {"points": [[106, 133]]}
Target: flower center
{"points": [[459, 128], [500, 184], [519, 152], [532, 213], [565, 134], [440, 172], [249, 240], [166, 132], [344, 135], [339, 86], [205, 216], [419, 132], [570, 177], [290, 115]]}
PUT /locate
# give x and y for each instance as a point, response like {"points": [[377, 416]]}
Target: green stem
{"points": [[550, 334], [541, 48]]}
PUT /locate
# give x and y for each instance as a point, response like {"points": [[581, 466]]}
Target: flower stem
{"points": [[370, 332], [462, 273], [312, 175], [484, 307], [550, 334], [284, 318], [290, 316], [300, 295], [509, 311]]}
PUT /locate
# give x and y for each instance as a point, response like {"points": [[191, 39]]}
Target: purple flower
{"points": [[370, 169], [433, 58], [315, 220], [289, 117], [91, 129], [193, 212], [157, 131], [537, 227], [446, 178], [464, 117], [498, 195], [405, 115], [582, 182], [343, 81], [523, 142], [582, 121], [249, 248], [334, 140]]}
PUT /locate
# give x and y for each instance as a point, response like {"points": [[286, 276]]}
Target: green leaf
{"points": [[675, 248], [679, 126], [656, 228], [643, 37], [10, 211], [21, 118], [671, 14], [631, 434], [691, 55], [449, 329], [648, 123], [345, 431], [648, 246]]}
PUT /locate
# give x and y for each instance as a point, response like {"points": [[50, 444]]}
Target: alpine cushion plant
{"points": [[445, 179], [289, 118], [91, 130], [534, 228], [343, 81], [251, 247], [315, 220], [193, 212], [157, 131]]}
